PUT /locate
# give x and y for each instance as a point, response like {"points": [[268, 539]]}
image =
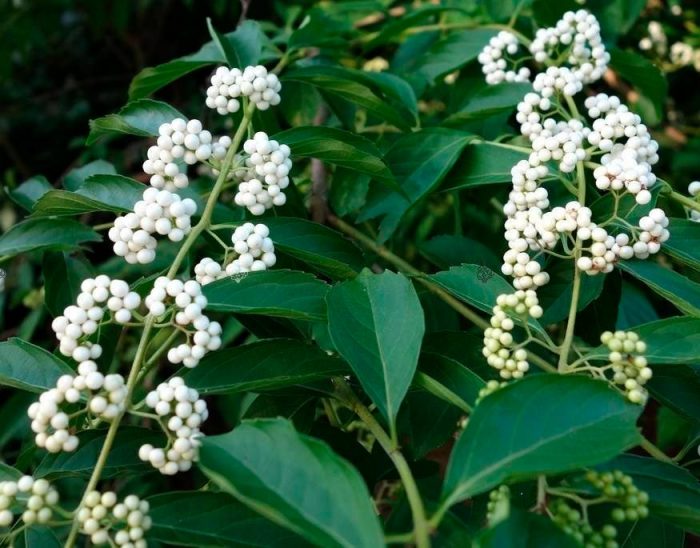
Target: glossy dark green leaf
{"points": [[7, 472], [420, 161], [63, 276], [394, 27], [475, 284], [75, 178], [348, 192], [654, 532], [452, 52], [642, 74], [39, 234], [317, 245], [677, 387], [672, 340], [674, 493], [356, 87], [634, 308], [527, 428], [264, 365], [195, 518], [28, 367], [547, 13], [280, 293], [242, 47], [38, 536], [448, 250], [141, 117], [338, 147], [293, 480], [485, 164], [81, 462], [674, 287], [524, 530], [376, 323], [488, 101], [114, 193], [684, 244], [26, 194], [555, 297], [449, 380]]}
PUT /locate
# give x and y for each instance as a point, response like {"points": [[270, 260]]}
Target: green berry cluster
{"points": [[621, 489], [571, 522], [630, 369], [489, 388], [498, 506]]}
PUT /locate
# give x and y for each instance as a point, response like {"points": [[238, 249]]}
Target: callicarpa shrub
{"points": [[394, 276]]}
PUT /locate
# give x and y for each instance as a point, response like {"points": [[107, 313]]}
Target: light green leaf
{"points": [[280, 293], [527, 428], [295, 481], [195, 518], [141, 117], [264, 365], [376, 323], [28, 367], [37, 234], [674, 287]]}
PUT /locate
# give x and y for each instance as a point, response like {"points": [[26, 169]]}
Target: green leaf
{"points": [[340, 148], [264, 365], [671, 285], [645, 76], [317, 245], [295, 481], [671, 340], [38, 234], [81, 462], [279, 293], [141, 117], [376, 323], [26, 194], [9, 473], [525, 530], [195, 518], [242, 47], [684, 243], [63, 275], [555, 297], [452, 52], [677, 387], [28, 367], [654, 532], [485, 164], [420, 161], [490, 100], [358, 88], [449, 380], [547, 13], [37, 536], [634, 308], [674, 493], [392, 31], [527, 428], [421, 432], [448, 250], [75, 178]]}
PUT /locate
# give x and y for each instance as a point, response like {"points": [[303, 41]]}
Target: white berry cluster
{"points": [[653, 233], [105, 396], [108, 521], [228, 86], [182, 412], [489, 388], [254, 247], [694, 190], [37, 495], [265, 175], [577, 33], [180, 140], [159, 212], [186, 302], [500, 349], [83, 319], [494, 62], [629, 366]]}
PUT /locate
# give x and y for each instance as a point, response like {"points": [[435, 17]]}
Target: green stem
{"points": [[654, 451], [203, 224], [685, 200], [420, 524]]}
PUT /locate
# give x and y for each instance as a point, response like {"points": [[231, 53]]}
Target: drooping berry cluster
{"points": [[36, 495], [160, 212], [108, 521], [500, 349], [255, 83], [182, 411], [627, 361], [184, 304], [51, 419], [265, 176], [82, 320], [498, 505]]}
